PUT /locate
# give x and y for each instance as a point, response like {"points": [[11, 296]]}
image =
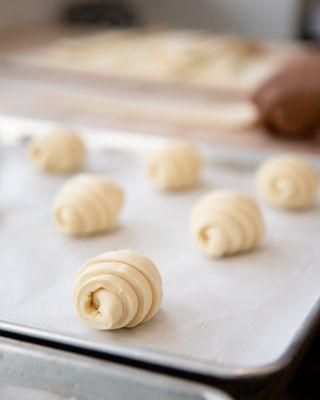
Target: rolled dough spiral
{"points": [[287, 182], [227, 222], [88, 204], [59, 151], [117, 289], [176, 166]]}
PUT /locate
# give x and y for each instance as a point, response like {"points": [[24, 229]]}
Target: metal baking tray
{"points": [[29, 371], [240, 317]]}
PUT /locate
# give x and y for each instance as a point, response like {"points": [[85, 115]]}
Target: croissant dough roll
{"points": [[59, 151], [226, 222], [117, 289], [176, 166], [88, 204], [287, 182]]}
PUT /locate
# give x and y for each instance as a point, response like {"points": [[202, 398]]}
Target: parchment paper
{"points": [[239, 311]]}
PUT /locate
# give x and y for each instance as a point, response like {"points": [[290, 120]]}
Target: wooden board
{"points": [[217, 116]]}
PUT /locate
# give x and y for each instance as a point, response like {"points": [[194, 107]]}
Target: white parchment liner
{"points": [[240, 311]]}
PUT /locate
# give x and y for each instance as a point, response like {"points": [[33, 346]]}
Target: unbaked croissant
{"points": [[58, 151], [176, 166], [88, 204], [287, 182], [117, 289], [227, 222]]}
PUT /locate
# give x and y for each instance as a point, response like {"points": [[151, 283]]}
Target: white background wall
{"points": [[15, 13], [267, 18]]}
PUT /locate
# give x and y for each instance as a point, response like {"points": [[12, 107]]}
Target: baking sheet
{"points": [[30, 372], [239, 312]]}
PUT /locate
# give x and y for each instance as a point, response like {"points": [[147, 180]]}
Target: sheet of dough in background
{"points": [[154, 57], [241, 311]]}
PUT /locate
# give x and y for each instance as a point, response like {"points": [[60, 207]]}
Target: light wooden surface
{"points": [[126, 105]]}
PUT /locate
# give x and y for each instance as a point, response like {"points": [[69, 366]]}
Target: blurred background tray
{"points": [[220, 116]]}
